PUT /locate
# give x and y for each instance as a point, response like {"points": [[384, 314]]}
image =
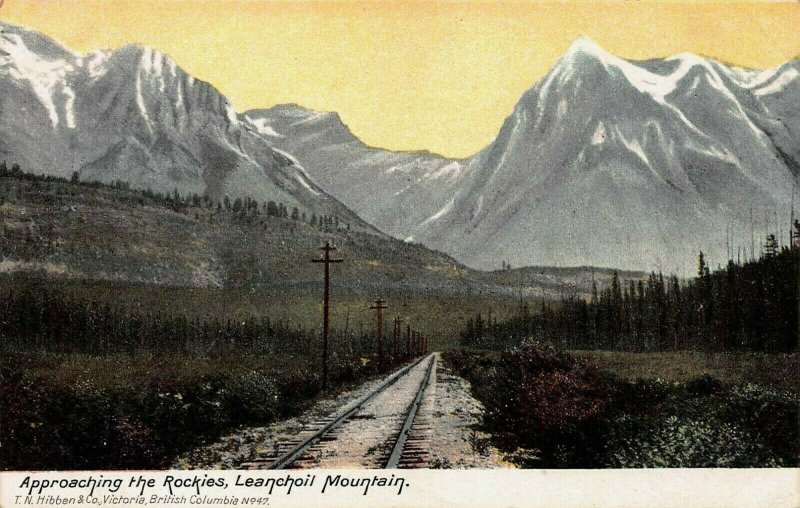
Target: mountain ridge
{"points": [[133, 114], [604, 161], [401, 194], [255, 115], [682, 140]]}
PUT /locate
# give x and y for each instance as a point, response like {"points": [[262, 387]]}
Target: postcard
{"points": [[401, 253]]}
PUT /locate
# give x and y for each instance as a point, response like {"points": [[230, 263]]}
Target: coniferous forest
{"points": [[44, 320], [750, 306]]}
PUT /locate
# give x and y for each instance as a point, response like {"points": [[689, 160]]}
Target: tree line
{"points": [[46, 320], [241, 208], [745, 306]]}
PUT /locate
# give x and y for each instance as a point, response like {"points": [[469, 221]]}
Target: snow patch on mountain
{"points": [[604, 161], [440, 213], [599, 134], [133, 114], [780, 83], [450, 170], [265, 128]]}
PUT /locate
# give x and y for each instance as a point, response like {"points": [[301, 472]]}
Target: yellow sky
{"points": [[429, 75]]}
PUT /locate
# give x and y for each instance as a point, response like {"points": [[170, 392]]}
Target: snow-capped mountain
{"points": [[604, 161], [397, 190], [133, 115]]}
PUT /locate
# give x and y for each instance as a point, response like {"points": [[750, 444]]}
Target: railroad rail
{"points": [[400, 445], [376, 419]]}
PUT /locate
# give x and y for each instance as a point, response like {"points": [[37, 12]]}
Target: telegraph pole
{"points": [[379, 306], [327, 248], [408, 341], [397, 322]]}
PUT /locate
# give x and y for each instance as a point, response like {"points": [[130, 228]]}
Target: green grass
{"points": [[775, 371], [121, 371]]}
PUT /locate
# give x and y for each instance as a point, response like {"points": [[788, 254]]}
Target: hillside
{"points": [[99, 232], [114, 233]]}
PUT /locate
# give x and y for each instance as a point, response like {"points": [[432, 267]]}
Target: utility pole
{"points": [[408, 341], [379, 306], [752, 238], [791, 219], [327, 248], [397, 322]]}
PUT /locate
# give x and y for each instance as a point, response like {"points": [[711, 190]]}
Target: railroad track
{"points": [[383, 429]]}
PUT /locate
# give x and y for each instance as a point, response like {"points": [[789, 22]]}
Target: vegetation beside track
{"points": [[138, 411], [545, 409]]}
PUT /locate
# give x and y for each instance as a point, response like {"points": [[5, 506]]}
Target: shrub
{"points": [[548, 411], [704, 385], [542, 399], [57, 423], [769, 416], [254, 397], [683, 442]]}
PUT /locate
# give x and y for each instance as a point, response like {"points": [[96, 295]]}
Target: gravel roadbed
{"points": [[455, 441]]}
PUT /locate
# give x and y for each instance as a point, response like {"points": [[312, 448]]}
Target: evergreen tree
{"points": [[750, 306], [237, 205]]}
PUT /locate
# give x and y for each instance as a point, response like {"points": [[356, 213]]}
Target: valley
{"points": [[609, 283], [121, 247]]}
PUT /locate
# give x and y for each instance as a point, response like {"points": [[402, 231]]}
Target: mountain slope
{"points": [[397, 190], [93, 232], [604, 161], [613, 163], [134, 115]]}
